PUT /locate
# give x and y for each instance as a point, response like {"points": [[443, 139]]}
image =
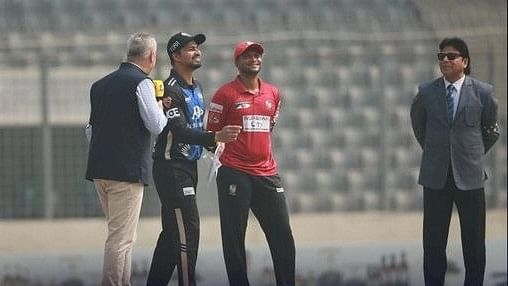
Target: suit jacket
{"points": [[464, 142]]}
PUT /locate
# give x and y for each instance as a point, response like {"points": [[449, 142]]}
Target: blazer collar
{"points": [[440, 97]]}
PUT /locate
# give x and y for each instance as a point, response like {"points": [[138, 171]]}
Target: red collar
{"points": [[240, 87]]}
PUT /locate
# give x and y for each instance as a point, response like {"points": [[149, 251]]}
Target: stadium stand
{"points": [[347, 69]]}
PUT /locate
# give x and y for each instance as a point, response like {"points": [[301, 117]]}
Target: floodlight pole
{"points": [[47, 143]]}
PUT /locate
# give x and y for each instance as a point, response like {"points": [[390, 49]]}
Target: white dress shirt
{"points": [[456, 96]]}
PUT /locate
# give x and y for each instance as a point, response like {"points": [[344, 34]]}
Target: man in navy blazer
{"points": [[454, 119]]}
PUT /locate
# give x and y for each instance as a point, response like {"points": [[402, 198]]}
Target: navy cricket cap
{"points": [[180, 39]]}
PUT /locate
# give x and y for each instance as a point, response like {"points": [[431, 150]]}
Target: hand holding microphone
{"points": [[159, 88], [159, 93]]}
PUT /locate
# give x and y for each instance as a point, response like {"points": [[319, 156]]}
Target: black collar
{"points": [[181, 82]]}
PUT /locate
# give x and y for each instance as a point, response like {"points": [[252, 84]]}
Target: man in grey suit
{"points": [[454, 120]]}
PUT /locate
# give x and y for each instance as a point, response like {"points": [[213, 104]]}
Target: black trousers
{"points": [[178, 242], [238, 192], [437, 208]]}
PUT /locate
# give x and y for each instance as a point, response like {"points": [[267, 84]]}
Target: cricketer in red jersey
{"points": [[256, 112], [248, 177]]}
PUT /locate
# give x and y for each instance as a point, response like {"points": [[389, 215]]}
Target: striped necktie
{"points": [[450, 90]]}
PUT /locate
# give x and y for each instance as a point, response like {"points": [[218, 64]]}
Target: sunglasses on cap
{"points": [[450, 56]]}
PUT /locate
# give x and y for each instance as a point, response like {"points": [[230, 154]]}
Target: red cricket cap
{"points": [[241, 47]]}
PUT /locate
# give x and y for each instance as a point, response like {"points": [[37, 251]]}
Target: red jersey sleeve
{"points": [[277, 109], [217, 111]]}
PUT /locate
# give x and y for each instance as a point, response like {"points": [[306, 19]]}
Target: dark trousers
{"points": [[238, 192], [437, 208], [178, 242]]}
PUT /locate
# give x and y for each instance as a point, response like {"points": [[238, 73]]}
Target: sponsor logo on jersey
{"points": [[256, 123], [242, 105], [269, 104], [172, 113], [217, 108], [197, 112]]}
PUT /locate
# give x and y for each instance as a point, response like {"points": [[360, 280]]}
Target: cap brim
{"points": [[199, 39], [255, 46]]}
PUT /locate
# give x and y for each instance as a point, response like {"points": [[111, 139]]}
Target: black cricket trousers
{"points": [[178, 242], [238, 192]]}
